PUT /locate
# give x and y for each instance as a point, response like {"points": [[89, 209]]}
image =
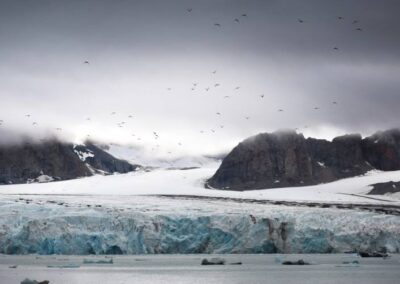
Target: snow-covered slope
{"points": [[150, 159], [191, 182]]}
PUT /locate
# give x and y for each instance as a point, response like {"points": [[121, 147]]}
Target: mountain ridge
{"points": [[53, 160], [286, 158]]}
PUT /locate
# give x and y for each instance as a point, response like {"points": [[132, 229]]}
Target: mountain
{"points": [[55, 160], [382, 150], [100, 160], [286, 159]]}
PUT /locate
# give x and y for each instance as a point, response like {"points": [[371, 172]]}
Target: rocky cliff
{"points": [[55, 160], [102, 161], [285, 158]]}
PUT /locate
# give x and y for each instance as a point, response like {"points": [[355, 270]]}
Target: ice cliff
{"points": [[56, 229]]}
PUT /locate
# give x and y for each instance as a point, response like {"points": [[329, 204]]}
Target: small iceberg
{"points": [[64, 266]]}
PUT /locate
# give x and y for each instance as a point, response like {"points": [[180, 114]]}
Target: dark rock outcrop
{"points": [[101, 160], [385, 187], [297, 262], [24, 162], [29, 281], [373, 254], [285, 158], [55, 160], [382, 150], [213, 261]]}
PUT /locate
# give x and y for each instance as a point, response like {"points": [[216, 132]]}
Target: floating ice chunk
{"points": [[354, 263], [64, 266]]}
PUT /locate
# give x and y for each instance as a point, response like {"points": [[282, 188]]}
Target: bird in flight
{"points": [[218, 113], [355, 22], [207, 89], [244, 15], [300, 21], [280, 110], [216, 85], [217, 25], [316, 108], [237, 88], [28, 115], [335, 103], [262, 96], [34, 123], [236, 20], [189, 10], [86, 62], [359, 29], [215, 71], [336, 48], [340, 18]]}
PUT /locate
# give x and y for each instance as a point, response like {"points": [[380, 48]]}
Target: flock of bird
{"points": [[194, 86]]}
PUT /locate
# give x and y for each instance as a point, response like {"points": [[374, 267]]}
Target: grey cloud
{"points": [[139, 49]]}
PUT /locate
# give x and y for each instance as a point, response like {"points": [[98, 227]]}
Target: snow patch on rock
{"points": [[83, 155]]}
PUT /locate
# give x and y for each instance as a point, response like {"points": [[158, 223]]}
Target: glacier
{"points": [[39, 224]]}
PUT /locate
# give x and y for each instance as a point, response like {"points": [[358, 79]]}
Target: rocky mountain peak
{"points": [[286, 158]]}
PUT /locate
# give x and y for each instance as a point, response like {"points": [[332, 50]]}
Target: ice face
{"points": [[65, 227]]}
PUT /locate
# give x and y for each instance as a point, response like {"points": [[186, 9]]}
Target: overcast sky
{"points": [[138, 50]]}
